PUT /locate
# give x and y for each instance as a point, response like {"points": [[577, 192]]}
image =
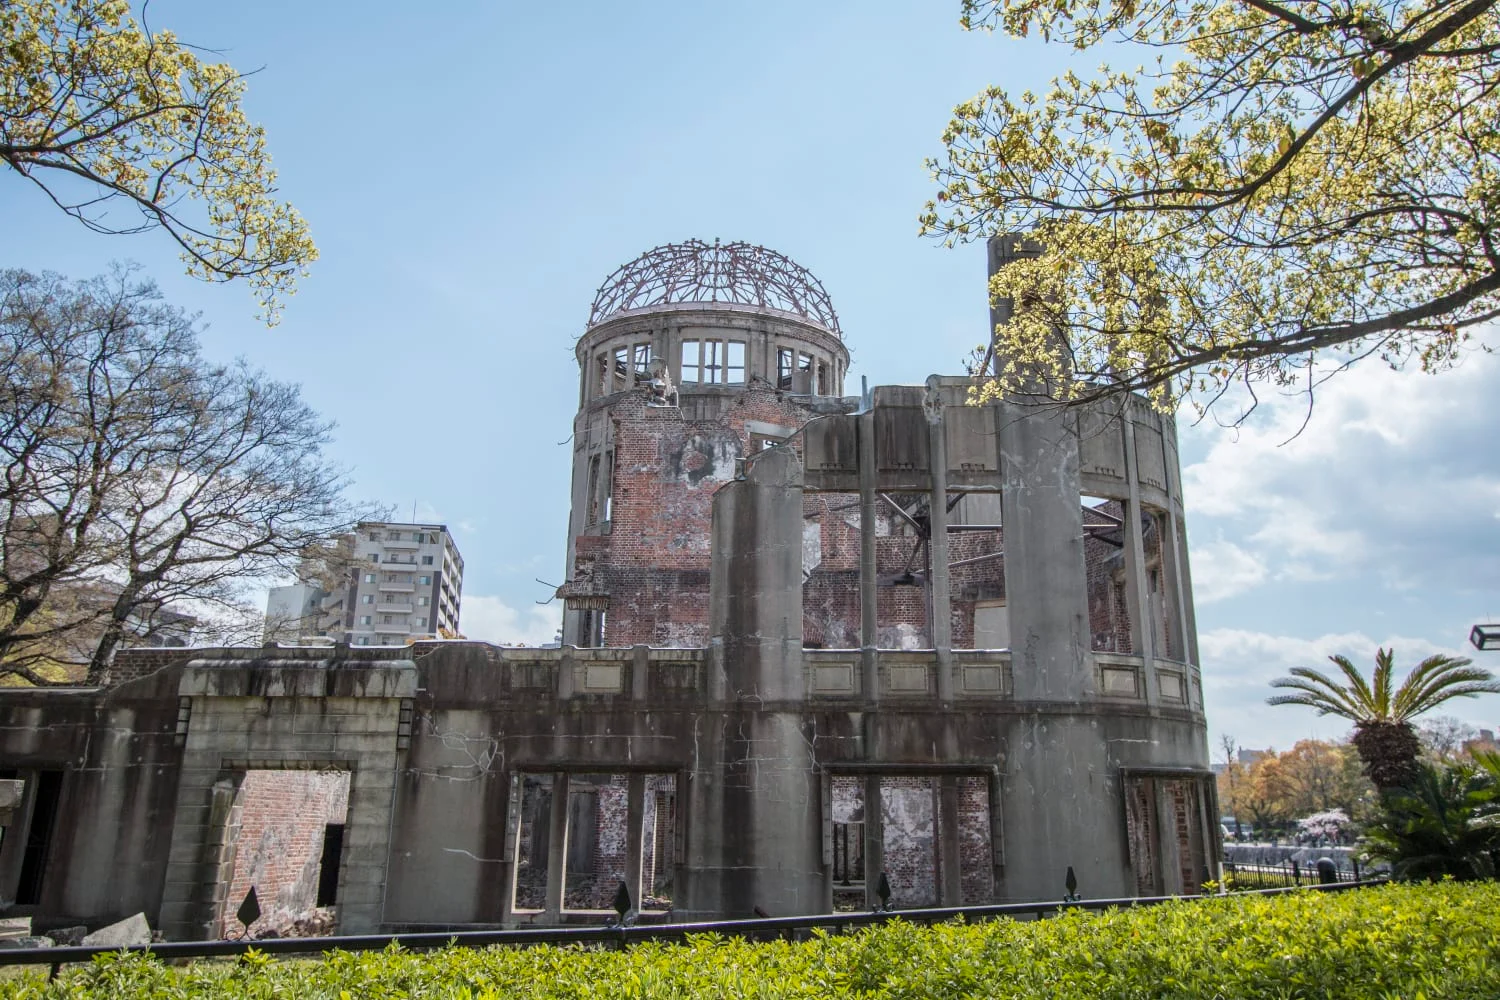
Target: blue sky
{"points": [[472, 172]]}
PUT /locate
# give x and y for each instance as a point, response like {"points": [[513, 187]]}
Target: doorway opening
{"points": [[286, 840]]}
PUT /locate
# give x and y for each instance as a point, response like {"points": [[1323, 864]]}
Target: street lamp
{"points": [[1485, 637]]}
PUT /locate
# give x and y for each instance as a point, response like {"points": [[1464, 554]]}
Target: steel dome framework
{"points": [[737, 273]]}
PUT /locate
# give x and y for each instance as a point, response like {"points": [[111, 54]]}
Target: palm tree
{"points": [[1383, 734]]}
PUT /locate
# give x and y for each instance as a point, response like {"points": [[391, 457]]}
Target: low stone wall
{"points": [[1285, 854]]}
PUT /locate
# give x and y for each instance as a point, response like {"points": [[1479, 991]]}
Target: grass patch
{"points": [[1410, 941]]}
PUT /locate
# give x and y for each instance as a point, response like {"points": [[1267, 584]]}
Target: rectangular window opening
{"points": [[39, 837], [328, 864], [692, 361], [734, 362], [908, 836], [596, 841], [607, 817], [532, 842], [848, 813], [621, 373], [785, 362]]}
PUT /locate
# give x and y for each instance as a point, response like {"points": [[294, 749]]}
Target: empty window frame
{"points": [[692, 364], [786, 360], [934, 835], [713, 362], [847, 814], [592, 515], [616, 828]]}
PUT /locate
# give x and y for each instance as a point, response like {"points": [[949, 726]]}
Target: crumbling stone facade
{"points": [[810, 639]]}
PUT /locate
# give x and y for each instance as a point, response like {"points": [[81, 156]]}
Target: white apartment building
{"points": [[405, 582]]}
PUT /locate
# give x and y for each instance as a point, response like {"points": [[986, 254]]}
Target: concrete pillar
{"points": [[1175, 556], [754, 837], [868, 601], [1044, 572], [1137, 590], [635, 818], [874, 839], [938, 585], [640, 668], [1062, 803], [950, 863], [557, 848]]}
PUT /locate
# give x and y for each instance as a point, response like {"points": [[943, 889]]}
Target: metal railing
{"points": [[611, 934], [1289, 875]]}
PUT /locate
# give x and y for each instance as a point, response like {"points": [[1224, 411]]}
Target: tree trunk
{"points": [[1389, 751], [114, 632]]}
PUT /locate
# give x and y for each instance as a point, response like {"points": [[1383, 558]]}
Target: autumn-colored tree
{"points": [[1319, 775], [126, 129], [1286, 183], [1252, 792]]}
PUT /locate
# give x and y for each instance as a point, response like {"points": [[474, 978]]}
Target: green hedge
{"points": [[1441, 942]]}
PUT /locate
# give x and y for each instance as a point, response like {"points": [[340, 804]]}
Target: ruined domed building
{"points": [[809, 638]]}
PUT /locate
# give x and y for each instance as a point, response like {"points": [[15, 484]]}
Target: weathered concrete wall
{"points": [[115, 750], [703, 777], [285, 710]]}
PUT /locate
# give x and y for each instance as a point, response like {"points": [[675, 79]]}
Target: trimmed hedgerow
{"points": [[1433, 941]]}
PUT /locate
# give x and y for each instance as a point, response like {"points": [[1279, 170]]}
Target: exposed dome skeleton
{"points": [[738, 273]]}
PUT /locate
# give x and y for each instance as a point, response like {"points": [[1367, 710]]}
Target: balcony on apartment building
{"points": [[395, 609], [405, 543], [401, 562], [397, 586]]}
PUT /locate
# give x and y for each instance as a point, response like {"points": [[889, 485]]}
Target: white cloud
{"points": [[491, 619], [1395, 479], [1239, 665], [1222, 569]]}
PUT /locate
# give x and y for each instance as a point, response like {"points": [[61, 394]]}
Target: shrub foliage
{"points": [[1440, 940]]}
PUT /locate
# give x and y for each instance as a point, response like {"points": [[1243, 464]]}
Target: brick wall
{"points": [[593, 880], [976, 860], [133, 664], [654, 561], [909, 838], [282, 817]]}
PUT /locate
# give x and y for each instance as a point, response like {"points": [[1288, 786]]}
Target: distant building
{"points": [[405, 581], [295, 613], [383, 584], [1484, 742]]}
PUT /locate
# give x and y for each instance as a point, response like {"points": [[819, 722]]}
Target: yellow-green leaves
{"points": [[1392, 942], [160, 137], [1306, 180]]}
